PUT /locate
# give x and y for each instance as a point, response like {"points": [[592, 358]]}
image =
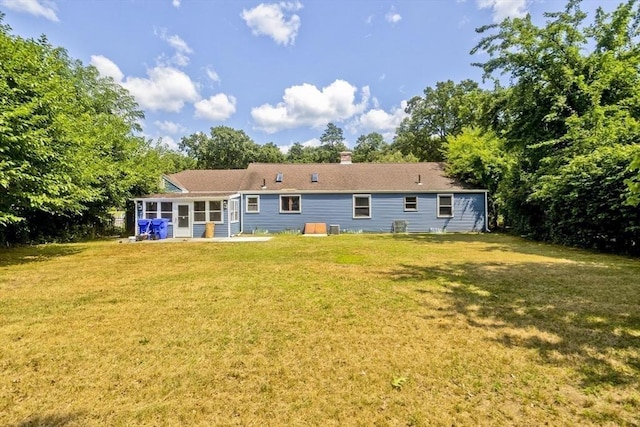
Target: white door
{"points": [[183, 224]]}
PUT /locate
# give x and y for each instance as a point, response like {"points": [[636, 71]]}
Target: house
{"points": [[350, 197]]}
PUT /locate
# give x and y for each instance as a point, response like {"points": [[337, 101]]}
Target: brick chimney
{"points": [[345, 157]]}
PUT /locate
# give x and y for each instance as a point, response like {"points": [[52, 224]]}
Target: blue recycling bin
{"points": [[144, 227], [160, 227]]}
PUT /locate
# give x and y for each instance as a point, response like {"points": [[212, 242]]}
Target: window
{"points": [[166, 210], [410, 203], [253, 204], [234, 210], [290, 204], [199, 211], [215, 211], [361, 206], [151, 210], [445, 205]]}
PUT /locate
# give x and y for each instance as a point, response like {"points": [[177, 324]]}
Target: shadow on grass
{"points": [[29, 254], [47, 421], [503, 242], [573, 314]]}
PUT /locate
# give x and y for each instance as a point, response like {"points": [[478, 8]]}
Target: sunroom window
{"points": [[166, 210], [151, 210], [215, 211], [199, 211]]}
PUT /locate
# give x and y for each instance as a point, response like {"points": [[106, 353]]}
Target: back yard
{"points": [[347, 330]]}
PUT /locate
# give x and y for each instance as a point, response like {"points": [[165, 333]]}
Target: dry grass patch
{"points": [[348, 330]]}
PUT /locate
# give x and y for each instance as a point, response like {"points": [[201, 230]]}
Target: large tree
{"points": [[68, 145], [332, 140], [369, 148], [442, 112], [223, 148], [574, 96]]}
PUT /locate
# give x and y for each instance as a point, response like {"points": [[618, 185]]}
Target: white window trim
{"points": [[438, 205], [405, 204], [158, 211], [247, 204], [290, 195], [367, 196], [207, 212]]}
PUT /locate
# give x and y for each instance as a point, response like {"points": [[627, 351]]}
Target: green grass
{"points": [[388, 330]]}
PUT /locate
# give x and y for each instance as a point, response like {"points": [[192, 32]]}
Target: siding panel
{"points": [[385, 209]]}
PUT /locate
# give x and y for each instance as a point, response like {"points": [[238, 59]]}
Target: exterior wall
{"points": [[468, 213], [170, 188]]}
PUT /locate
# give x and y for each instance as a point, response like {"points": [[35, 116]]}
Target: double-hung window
{"points": [[208, 211], [199, 211], [445, 205], [151, 210], [253, 204], [362, 206], [411, 203], [290, 204], [166, 210], [215, 211]]}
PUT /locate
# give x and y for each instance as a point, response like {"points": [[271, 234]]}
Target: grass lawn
{"points": [[384, 330]]}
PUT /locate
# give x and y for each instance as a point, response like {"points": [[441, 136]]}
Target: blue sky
{"points": [[280, 71]]}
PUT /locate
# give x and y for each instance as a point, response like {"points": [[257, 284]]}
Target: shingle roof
{"points": [[354, 177], [209, 180]]}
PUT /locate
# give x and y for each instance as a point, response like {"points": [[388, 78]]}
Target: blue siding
{"points": [[170, 188], [169, 230], [331, 209]]}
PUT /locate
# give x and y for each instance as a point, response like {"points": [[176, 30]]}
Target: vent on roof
{"points": [[279, 177], [314, 177]]}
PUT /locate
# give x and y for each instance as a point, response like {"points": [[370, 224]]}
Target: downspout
{"points": [[241, 214]]}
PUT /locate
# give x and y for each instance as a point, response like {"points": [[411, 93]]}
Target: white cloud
{"points": [[271, 20], [176, 3], [168, 140], [393, 16], [313, 142], [165, 89], [170, 127], [306, 105], [503, 9], [44, 8], [217, 108], [181, 56], [213, 76], [377, 120], [107, 67]]}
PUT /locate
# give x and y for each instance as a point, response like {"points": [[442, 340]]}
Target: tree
{"points": [[332, 141], [369, 148], [225, 148], [269, 153], [575, 94], [479, 158], [442, 112], [68, 148]]}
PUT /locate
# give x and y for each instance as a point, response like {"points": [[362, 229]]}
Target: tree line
{"points": [[552, 134]]}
